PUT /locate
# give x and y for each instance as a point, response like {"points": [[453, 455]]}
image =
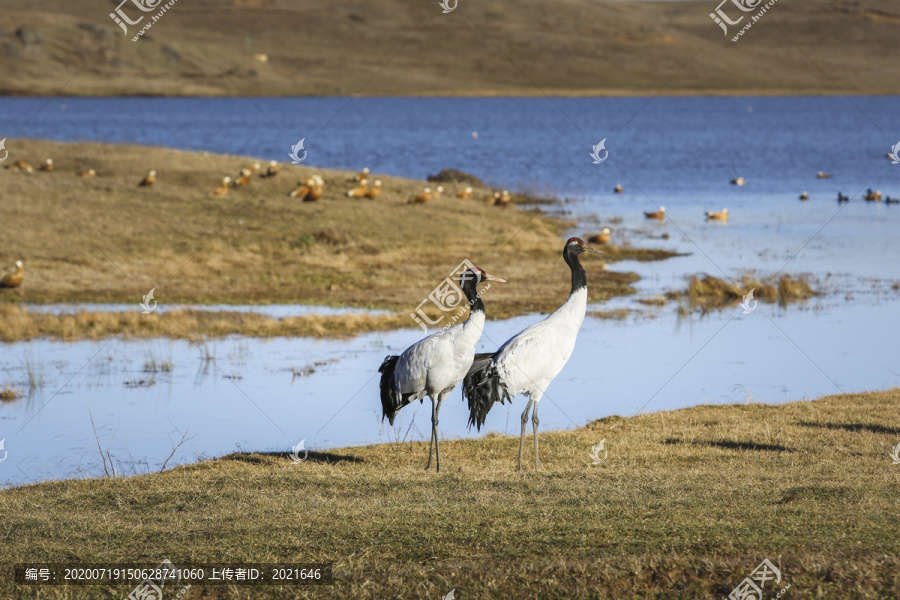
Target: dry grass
{"points": [[104, 239], [391, 47], [20, 324], [9, 392], [687, 503], [712, 292]]}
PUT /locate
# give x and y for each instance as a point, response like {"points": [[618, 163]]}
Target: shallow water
{"points": [[676, 152], [248, 398], [674, 149]]}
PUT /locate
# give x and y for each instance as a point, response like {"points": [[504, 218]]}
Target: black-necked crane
{"points": [[464, 194], [374, 191], [222, 189], [434, 366], [14, 280], [47, 167], [660, 214], [717, 216], [530, 360], [150, 179], [600, 238]]}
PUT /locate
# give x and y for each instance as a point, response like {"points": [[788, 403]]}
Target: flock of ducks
{"points": [[23, 167], [241, 180], [495, 198], [660, 214], [308, 190], [311, 189]]}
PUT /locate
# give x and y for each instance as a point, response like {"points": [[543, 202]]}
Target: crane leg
{"points": [[522, 437], [434, 433], [534, 423], [433, 430]]}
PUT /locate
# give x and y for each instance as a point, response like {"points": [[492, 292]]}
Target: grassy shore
{"points": [[686, 504], [397, 47], [104, 239]]}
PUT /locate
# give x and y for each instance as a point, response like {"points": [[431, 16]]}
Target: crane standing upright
{"points": [[531, 359], [436, 364]]}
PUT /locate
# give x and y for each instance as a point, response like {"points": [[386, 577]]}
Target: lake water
{"points": [[676, 152]]}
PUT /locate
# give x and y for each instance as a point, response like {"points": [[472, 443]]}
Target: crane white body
{"points": [[435, 365], [531, 359]]}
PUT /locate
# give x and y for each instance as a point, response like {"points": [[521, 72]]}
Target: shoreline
{"points": [[256, 245], [566, 93]]}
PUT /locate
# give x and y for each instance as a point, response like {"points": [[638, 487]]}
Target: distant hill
{"points": [[406, 47]]}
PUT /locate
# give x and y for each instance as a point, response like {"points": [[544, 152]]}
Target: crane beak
{"points": [[587, 248], [492, 278]]}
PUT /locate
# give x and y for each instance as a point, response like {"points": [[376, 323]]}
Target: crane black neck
{"points": [[470, 289], [579, 277]]}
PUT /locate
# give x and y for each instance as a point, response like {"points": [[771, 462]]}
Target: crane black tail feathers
{"points": [[391, 400], [483, 388]]}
